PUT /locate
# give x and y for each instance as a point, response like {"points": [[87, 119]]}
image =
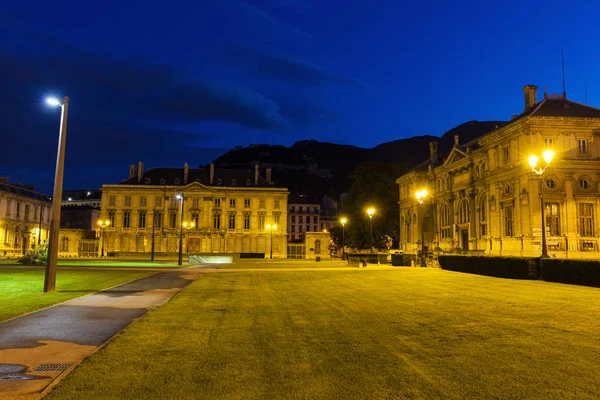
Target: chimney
{"points": [[433, 152], [140, 171], [529, 92], [186, 172], [132, 172], [268, 175], [255, 174], [212, 173], [455, 140]]}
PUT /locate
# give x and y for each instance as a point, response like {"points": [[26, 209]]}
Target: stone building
{"points": [[24, 218], [224, 211], [304, 215], [484, 198]]}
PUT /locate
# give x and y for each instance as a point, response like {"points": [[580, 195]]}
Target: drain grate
{"points": [[51, 367]]}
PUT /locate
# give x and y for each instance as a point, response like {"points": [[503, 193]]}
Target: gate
{"points": [[296, 250]]}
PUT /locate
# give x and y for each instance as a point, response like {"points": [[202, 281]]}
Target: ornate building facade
{"points": [[24, 218], [484, 198], [224, 211]]}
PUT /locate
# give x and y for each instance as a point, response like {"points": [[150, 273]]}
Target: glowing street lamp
{"points": [[343, 221], [370, 212], [180, 198], [271, 228], [50, 276], [421, 195], [547, 155], [103, 224]]}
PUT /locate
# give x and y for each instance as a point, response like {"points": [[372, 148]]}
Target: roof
{"points": [[222, 177], [302, 199], [23, 192]]}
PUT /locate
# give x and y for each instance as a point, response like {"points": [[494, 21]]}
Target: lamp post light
{"points": [[343, 221], [371, 211], [50, 276], [547, 155], [188, 226], [180, 198], [421, 195], [271, 228], [103, 224]]}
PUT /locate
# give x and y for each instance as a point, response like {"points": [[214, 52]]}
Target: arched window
{"points": [[483, 216], [463, 212], [445, 222], [317, 247]]}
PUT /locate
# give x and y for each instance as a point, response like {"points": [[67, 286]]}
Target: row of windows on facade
{"points": [[301, 209], [301, 228], [112, 201], [315, 219], [25, 212], [158, 220], [552, 215]]}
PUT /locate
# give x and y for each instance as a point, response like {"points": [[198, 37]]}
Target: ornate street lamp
{"points": [[370, 212], [103, 224], [421, 195], [50, 276], [547, 155], [343, 221], [271, 228]]}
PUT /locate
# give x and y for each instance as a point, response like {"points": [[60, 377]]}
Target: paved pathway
{"points": [[38, 348]]}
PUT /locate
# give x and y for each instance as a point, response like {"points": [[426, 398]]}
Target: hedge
{"points": [[576, 272], [499, 267]]}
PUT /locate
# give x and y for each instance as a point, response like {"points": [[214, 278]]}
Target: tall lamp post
{"points": [[180, 198], [271, 228], [50, 276], [343, 221], [371, 211], [420, 195], [103, 224], [539, 171]]}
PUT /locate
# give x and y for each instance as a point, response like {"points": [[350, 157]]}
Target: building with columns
{"points": [[224, 211], [484, 198], [24, 218]]}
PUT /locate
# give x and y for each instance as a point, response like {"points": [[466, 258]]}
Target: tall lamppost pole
{"points": [[180, 198], [343, 221], [420, 195], [271, 228], [50, 276], [533, 160], [103, 224], [371, 211]]}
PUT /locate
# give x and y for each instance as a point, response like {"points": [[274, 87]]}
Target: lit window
{"points": [[582, 145], [158, 201], [247, 221], [143, 201], [246, 203], [552, 219], [463, 216], [128, 200], [444, 222], [506, 154], [550, 183], [586, 219], [262, 203], [126, 219], [217, 202], [231, 203], [549, 142], [584, 183], [158, 220], [483, 217], [216, 220], [508, 221], [142, 220], [231, 220]]}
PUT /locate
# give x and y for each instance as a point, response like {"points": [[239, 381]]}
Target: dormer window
{"points": [[247, 182], [147, 180], [219, 181], [162, 181], [233, 182], [176, 181]]}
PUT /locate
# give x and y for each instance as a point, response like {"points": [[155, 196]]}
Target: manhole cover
{"points": [[51, 367]]}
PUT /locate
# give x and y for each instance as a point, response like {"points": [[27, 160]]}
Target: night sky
{"points": [[170, 81]]}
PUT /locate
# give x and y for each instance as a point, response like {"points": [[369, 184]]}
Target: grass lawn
{"points": [[401, 333], [21, 290]]}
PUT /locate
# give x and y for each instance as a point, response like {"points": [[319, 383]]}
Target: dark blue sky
{"points": [[168, 82]]}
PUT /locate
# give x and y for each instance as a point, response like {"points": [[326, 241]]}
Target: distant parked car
{"points": [[393, 251]]}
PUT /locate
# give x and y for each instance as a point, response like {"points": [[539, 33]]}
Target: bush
{"points": [[500, 267], [576, 272], [36, 256]]}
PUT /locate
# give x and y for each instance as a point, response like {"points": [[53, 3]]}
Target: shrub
{"points": [[35, 256], [576, 272], [500, 267]]}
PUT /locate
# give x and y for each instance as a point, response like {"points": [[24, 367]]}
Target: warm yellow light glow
{"points": [[533, 161], [271, 227], [325, 230], [103, 223], [343, 221], [371, 211], [548, 155]]}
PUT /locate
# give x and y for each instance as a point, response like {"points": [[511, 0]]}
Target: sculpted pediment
{"points": [[196, 187], [454, 156]]}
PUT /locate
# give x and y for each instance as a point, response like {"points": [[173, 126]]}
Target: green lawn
{"points": [[21, 290], [399, 333]]}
